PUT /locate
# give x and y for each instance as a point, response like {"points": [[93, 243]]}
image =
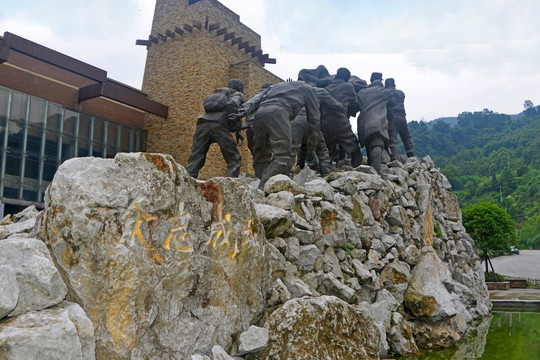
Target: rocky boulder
{"points": [[60, 332], [38, 284], [427, 296], [320, 328], [164, 265]]}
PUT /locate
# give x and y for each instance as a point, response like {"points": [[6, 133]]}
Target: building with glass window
{"points": [[53, 108]]}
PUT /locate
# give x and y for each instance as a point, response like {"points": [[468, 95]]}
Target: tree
{"points": [[530, 110], [491, 227]]}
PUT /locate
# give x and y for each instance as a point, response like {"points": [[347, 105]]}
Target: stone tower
{"points": [[195, 47]]}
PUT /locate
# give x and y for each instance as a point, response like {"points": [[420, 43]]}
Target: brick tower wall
{"points": [[181, 71]]}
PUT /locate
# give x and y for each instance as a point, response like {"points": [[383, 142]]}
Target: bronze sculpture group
{"points": [[290, 122]]}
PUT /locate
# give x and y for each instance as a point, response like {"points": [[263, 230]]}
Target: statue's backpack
{"points": [[217, 101]]}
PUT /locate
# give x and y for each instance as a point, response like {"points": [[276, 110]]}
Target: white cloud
{"points": [[448, 56], [101, 33]]}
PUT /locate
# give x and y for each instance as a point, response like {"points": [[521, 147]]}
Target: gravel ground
{"points": [[526, 264]]}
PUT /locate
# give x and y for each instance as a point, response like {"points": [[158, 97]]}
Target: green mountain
{"points": [[452, 121], [493, 157]]}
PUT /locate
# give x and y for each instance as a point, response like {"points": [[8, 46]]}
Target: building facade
{"points": [[53, 108], [194, 48]]}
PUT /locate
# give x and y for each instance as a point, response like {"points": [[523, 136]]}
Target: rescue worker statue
{"points": [[328, 106], [373, 121], [336, 126], [400, 122], [273, 110], [215, 127]]}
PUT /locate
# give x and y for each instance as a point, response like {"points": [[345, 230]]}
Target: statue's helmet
{"points": [[236, 84], [389, 83], [375, 76], [343, 73]]}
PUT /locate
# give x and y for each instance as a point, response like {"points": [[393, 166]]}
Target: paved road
{"points": [[526, 264], [515, 294]]}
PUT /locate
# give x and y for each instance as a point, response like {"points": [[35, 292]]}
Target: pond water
{"points": [[501, 336]]}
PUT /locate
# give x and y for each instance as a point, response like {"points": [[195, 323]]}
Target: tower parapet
{"points": [[195, 47]]}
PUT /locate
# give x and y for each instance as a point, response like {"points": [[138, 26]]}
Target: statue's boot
{"points": [[374, 159], [356, 158], [394, 152], [233, 169]]}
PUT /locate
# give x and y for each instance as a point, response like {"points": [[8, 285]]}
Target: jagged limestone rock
{"points": [[9, 290], [275, 220], [305, 175], [200, 357], [411, 255], [395, 278], [39, 282], [148, 250], [281, 182], [427, 296], [19, 225], [308, 257], [310, 328], [329, 285], [278, 293], [381, 310], [296, 287], [330, 263], [60, 332], [218, 353], [400, 337], [282, 199], [320, 187], [179, 265], [253, 340], [435, 335]]}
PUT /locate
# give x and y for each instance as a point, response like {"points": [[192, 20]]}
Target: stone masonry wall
{"points": [[181, 71], [171, 13]]}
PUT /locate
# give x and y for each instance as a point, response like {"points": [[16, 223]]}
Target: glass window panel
{"points": [[13, 165], [33, 141], [2, 132], [68, 147], [124, 139], [137, 141], [70, 118], [97, 150], [30, 195], [18, 106], [111, 152], [15, 137], [11, 191], [49, 168], [111, 135], [84, 147], [51, 146], [98, 130], [4, 97], [84, 126], [31, 168], [53, 116], [37, 110]]}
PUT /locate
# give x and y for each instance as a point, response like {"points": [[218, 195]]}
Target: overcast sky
{"points": [[448, 56]]}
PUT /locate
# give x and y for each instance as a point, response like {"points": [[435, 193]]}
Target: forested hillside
{"points": [[490, 156]]}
